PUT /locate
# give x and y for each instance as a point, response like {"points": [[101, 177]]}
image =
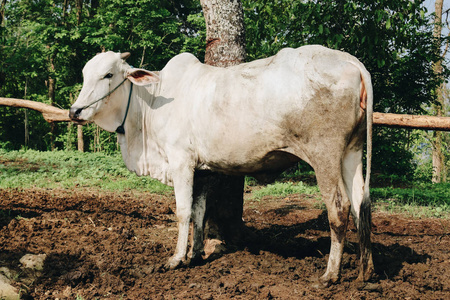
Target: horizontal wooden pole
{"points": [[49, 112], [54, 114], [412, 121]]}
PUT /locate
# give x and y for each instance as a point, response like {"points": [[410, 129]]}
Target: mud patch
{"points": [[112, 246]]}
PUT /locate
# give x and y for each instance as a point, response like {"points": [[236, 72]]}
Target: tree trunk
{"points": [[64, 14], [26, 131], [94, 5], [79, 11], [80, 138], [2, 12], [225, 32], [27, 134], [225, 46], [93, 9], [51, 96], [438, 156]]}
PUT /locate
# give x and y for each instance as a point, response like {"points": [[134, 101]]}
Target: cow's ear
{"points": [[142, 77]]}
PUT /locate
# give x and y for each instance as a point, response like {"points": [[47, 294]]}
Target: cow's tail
{"points": [[364, 222]]}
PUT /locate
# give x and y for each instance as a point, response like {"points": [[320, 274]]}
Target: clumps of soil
{"points": [[113, 246]]}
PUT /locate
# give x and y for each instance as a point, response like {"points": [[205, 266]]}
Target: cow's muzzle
{"points": [[74, 115]]}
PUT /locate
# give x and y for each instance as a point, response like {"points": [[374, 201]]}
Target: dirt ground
{"points": [[101, 245]]}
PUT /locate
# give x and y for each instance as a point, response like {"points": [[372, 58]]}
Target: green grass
{"points": [[415, 211], [420, 200], [419, 194], [71, 169], [283, 189]]}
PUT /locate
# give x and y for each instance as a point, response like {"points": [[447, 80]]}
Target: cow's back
{"points": [[235, 117]]}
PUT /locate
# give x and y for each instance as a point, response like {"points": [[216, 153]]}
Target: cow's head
{"points": [[106, 87]]}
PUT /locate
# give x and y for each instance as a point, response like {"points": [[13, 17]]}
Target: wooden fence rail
{"points": [[412, 121], [54, 114]]}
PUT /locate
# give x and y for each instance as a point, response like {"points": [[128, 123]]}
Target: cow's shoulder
{"points": [[179, 66], [184, 59]]}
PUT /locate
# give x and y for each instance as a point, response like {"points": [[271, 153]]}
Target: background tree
{"points": [[438, 107], [225, 32], [225, 46], [2, 11]]}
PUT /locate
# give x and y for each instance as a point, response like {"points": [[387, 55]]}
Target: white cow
{"points": [[310, 103]]}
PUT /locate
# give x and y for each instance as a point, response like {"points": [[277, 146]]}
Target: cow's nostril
{"points": [[74, 113]]}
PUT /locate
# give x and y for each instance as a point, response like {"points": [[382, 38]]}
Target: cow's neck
{"points": [[139, 149]]}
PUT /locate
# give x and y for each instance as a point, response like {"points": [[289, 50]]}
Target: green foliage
{"points": [[392, 38], [419, 194], [69, 170], [391, 155], [43, 40]]}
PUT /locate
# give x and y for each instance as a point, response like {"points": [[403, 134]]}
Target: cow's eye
{"points": [[109, 75]]}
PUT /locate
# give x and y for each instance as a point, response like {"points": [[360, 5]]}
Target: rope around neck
{"points": [[119, 129]]}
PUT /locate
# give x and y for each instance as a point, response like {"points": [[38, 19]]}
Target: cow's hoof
{"points": [[368, 286], [317, 283], [365, 273], [323, 282], [173, 263]]}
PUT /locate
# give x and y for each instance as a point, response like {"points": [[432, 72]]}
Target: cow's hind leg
{"points": [[338, 206], [198, 214], [360, 203]]}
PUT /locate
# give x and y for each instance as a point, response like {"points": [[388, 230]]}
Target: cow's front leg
{"points": [[183, 181]]}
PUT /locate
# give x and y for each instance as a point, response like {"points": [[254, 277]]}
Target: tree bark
{"points": [[79, 11], [64, 14], [94, 5], [437, 154], [26, 133], [225, 46], [51, 95], [225, 32], [93, 9], [80, 138], [2, 12]]}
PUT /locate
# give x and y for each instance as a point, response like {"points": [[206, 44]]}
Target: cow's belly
{"points": [[272, 162]]}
